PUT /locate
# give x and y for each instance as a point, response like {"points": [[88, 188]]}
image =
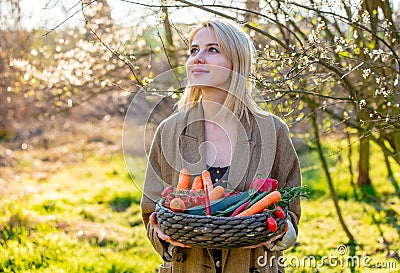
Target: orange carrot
{"points": [[197, 184], [184, 180], [270, 199], [208, 185], [217, 193]]}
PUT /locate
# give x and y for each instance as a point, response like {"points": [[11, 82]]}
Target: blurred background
{"points": [[69, 70]]}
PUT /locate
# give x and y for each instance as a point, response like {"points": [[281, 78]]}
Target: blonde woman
{"points": [[219, 127]]}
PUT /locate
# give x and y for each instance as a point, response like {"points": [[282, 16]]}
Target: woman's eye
{"points": [[194, 51], [213, 50]]}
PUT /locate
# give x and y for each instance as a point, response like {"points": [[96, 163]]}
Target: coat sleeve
{"points": [[286, 169], [151, 193]]}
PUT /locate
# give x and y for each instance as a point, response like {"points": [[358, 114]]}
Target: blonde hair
{"points": [[237, 47]]}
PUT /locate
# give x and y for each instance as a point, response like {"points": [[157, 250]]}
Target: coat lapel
{"points": [[191, 138], [242, 154]]}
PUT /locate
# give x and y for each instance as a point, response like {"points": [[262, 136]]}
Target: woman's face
{"points": [[206, 65]]}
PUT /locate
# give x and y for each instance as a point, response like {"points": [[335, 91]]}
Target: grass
{"points": [[372, 220], [77, 220], [86, 218]]}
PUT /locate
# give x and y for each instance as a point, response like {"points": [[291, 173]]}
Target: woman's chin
{"points": [[200, 85]]}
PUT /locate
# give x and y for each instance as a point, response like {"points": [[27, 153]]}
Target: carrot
{"points": [[197, 184], [184, 180], [208, 185], [268, 200], [217, 193]]}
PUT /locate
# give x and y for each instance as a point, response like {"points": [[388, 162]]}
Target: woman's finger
{"points": [[153, 219], [162, 235], [281, 234], [176, 243]]}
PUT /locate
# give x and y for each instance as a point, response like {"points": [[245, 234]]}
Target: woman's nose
{"points": [[199, 59]]}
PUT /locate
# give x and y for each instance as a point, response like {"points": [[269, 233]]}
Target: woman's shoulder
{"points": [[176, 119], [269, 119]]}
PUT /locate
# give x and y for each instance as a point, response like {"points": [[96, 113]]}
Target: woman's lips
{"points": [[199, 71]]}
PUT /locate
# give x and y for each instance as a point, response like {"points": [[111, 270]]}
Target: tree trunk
{"points": [[329, 179], [169, 47], [350, 155], [363, 164], [391, 176]]}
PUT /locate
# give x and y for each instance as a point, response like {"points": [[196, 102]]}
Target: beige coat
{"points": [[176, 145]]}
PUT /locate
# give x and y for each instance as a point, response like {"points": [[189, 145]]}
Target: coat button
{"points": [[180, 257]]}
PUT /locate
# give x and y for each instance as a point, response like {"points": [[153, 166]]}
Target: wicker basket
{"points": [[215, 231]]}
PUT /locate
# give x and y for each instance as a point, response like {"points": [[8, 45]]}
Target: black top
{"points": [[219, 175]]}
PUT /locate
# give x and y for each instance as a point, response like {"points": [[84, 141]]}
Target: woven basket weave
{"points": [[215, 231]]}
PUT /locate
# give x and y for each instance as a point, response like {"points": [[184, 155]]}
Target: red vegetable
{"points": [[207, 200], [240, 208], [264, 185], [167, 191], [197, 200], [272, 225], [274, 183], [257, 184], [279, 212]]}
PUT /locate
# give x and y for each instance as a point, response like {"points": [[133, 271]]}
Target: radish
{"points": [[264, 185]]}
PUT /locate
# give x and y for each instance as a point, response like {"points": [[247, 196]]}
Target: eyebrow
{"points": [[210, 44]]}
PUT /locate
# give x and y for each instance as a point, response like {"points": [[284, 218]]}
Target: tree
{"points": [[335, 61], [47, 72]]}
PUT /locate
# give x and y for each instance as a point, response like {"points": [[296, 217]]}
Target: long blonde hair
{"points": [[237, 47]]}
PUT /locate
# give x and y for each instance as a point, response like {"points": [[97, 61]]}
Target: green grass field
{"points": [[85, 217]]}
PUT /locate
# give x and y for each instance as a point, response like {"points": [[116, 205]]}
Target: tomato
{"points": [[186, 199], [279, 212], [170, 197], [199, 200], [271, 223], [167, 204], [167, 191], [177, 205]]}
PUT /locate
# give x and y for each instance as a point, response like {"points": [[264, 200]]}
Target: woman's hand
{"points": [[162, 235], [267, 243]]}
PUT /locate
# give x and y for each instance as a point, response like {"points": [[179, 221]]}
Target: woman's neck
{"points": [[212, 101]]}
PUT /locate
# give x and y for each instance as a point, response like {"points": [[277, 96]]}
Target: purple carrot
{"points": [[241, 208]]}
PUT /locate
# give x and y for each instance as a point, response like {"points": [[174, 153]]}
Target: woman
{"points": [[220, 128]]}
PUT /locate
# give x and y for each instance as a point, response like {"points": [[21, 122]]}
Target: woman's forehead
{"points": [[204, 34]]}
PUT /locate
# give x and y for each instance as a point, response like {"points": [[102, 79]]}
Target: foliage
{"points": [[47, 72], [68, 221]]}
